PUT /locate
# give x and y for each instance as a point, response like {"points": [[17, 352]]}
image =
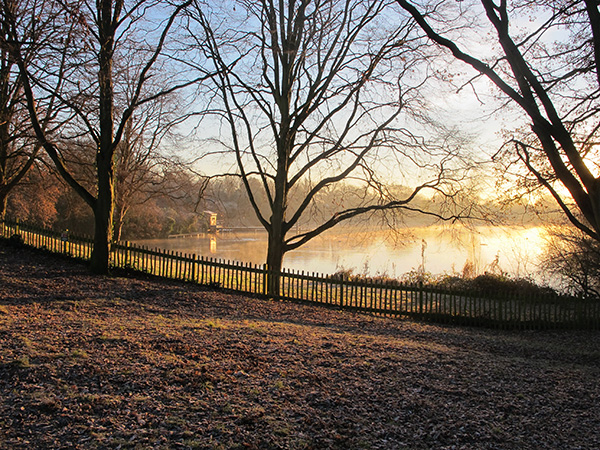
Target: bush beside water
{"points": [[496, 283]]}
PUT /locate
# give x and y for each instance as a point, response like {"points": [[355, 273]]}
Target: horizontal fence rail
{"points": [[389, 297]]}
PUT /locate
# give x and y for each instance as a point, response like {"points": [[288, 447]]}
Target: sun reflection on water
{"points": [[514, 250]]}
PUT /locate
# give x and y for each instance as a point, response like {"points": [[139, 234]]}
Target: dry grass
{"points": [[111, 362]]}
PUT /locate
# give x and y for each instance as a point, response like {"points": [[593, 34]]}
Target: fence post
{"points": [[64, 237], [128, 257], [265, 278], [420, 285], [342, 290], [194, 264]]}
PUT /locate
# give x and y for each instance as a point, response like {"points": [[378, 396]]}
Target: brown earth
{"points": [[130, 362]]}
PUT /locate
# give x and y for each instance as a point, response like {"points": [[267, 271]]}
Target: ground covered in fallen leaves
{"points": [[130, 362]]}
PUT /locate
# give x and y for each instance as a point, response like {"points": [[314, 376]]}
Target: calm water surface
{"points": [[515, 250]]}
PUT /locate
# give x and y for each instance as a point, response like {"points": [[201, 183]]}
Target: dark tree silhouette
{"points": [[74, 62], [549, 69], [311, 94]]}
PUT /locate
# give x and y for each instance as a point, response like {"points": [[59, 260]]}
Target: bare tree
{"points": [[35, 197], [18, 148], [548, 68], [75, 62], [574, 258], [311, 94], [140, 167]]}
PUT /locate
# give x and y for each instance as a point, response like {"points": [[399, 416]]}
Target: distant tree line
{"points": [[169, 206]]}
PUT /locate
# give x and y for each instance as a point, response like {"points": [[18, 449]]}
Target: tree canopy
{"points": [[543, 58], [310, 94], [69, 53]]}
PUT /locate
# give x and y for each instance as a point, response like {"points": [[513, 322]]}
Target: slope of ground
{"points": [[123, 362]]}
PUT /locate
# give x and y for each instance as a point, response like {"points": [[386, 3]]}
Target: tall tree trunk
{"points": [[104, 204], [5, 119], [276, 245], [103, 217], [3, 201], [277, 226], [275, 252], [119, 217]]}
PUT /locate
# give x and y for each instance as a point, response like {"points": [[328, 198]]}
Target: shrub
{"points": [[574, 257], [498, 283]]}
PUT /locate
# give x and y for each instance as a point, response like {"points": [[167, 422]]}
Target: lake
{"points": [[439, 249]]}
